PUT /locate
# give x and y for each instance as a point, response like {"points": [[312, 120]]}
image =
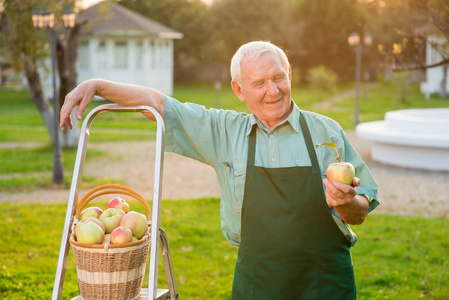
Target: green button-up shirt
{"points": [[219, 138]]}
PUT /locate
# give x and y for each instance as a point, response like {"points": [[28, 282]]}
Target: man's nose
{"points": [[272, 88]]}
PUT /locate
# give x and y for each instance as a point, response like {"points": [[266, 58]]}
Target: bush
{"points": [[322, 78]]}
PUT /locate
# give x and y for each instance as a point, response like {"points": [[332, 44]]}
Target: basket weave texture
{"points": [[110, 273], [115, 273]]}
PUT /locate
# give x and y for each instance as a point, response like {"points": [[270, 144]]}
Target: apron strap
{"points": [[309, 144], [252, 146]]}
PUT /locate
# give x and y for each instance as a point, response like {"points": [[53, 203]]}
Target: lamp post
{"points": [[354, 42], [46, 19]]}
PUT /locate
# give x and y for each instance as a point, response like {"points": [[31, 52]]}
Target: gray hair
{"points": [[252, 51]]}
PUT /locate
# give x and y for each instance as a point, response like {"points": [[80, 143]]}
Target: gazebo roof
{"points": [[108, 18]]}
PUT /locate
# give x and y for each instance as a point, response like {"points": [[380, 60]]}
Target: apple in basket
{"points": [[93, 211], [118, 202], [87, 220], [121, 235], [137, 222], [90, 233], [111, 218]]}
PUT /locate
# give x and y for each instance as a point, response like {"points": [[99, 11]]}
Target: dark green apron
{"points": [[291, 248]]}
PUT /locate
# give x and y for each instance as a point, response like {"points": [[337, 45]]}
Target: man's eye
{"points": [[279, 77]]}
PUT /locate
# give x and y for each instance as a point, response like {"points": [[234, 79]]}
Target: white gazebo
{"points": [[121, 45]]}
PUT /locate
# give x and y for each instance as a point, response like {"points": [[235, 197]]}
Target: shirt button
{"points": [[273, 159], [235, 172], [271, 136]]}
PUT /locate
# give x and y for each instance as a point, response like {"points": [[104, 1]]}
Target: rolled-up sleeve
{"points": [[368, 185]]}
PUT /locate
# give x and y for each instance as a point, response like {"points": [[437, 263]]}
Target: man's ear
{"points": [[237, 90], [290, 73]]}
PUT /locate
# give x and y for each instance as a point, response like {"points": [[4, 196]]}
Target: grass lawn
{"points": [[395, 258]]}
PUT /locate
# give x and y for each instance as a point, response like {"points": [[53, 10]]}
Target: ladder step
{"points": [[162, 294]]}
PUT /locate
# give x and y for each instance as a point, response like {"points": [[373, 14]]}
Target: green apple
{"points": [[111, 218], [137, 222], [87, 220], [90, 233]]}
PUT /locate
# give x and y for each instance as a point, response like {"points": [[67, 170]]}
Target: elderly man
{"points": [[289, 222]]}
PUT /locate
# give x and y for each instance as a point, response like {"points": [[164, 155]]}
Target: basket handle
{"points": [[111, 189]]}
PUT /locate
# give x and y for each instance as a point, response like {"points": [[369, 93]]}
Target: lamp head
{"points": [[69, 17], [354, 39]]}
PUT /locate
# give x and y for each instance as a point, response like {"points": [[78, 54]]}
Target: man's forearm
{"points": [[131, 95], [354, 212]]}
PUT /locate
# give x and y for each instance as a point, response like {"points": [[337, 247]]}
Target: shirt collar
{"points": [[292, 119]]}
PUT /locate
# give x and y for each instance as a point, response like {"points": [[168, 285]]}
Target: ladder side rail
{"points": [[72, 202], [157, 198]]}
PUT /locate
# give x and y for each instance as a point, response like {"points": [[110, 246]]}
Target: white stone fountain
{"points": [[413, 138]]}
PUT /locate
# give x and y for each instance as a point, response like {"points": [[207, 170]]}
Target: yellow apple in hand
{"points": [[341, 171]]}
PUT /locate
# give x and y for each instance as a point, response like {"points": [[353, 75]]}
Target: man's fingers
{"points": [[339, 189], [356, 181], [65, 118], [86, 99]]}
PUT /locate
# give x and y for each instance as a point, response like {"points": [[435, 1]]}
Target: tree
{"points": [[26, 49], [236, 22], [326, 25], [412, 21]]}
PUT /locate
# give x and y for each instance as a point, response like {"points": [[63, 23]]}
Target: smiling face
{"points": [[265, 88]]}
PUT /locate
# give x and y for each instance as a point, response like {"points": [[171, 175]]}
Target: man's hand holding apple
{"points": [[338, 193], [351, 208]]}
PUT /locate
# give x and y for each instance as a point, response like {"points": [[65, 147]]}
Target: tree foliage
{"points": [[313, 33], [26, 49], [403, 28], [326, 27]]}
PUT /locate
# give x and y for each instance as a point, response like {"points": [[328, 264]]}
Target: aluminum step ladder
{"points": [[158, 235]]}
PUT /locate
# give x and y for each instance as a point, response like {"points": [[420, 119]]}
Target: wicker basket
{"points": [[110, 271]]}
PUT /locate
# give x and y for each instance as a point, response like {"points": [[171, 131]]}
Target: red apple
{"points": [[87, 220], [93, 211], [343, 172], [137, 222], [90, 233], [111, 218], [121, 235], [118, 202]]}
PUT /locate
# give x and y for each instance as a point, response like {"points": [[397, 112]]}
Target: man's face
{"points": [[266, 89]]}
